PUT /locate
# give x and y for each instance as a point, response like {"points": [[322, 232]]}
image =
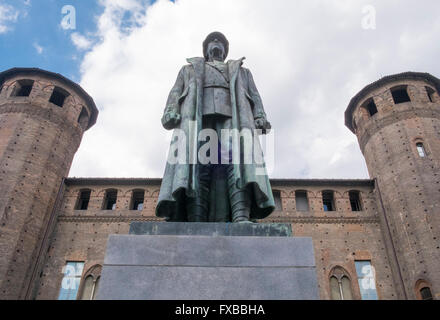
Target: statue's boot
{"points": [[239, 199], [198, 208]]}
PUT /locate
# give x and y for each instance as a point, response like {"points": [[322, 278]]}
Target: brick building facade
{"points": [[373, 238]]}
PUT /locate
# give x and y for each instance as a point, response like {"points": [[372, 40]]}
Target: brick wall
{"points": [[340, 237]]}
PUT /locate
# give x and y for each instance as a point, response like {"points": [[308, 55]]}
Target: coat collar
{"points": [[198, 62]]}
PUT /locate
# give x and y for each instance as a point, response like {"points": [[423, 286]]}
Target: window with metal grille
{"points": [[328, 201]]}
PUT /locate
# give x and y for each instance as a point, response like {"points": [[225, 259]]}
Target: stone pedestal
{"points": [[227, 262]]}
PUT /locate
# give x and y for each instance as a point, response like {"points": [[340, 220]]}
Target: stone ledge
{"points": [[211, 229]]}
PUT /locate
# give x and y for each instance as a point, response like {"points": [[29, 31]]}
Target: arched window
{"points": [[23, 88], [400, 94], [355, 200], [423, 290], [301, 200], [421, 149], [328, 200], [137, 200], [340, 284], [110, 197], [426, 293], [83, 199], [370, 106], [91, 283]]}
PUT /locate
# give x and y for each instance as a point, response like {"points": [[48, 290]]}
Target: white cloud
{"points": [[8, 16], [80, 41], [38, 48], [308, 59]]}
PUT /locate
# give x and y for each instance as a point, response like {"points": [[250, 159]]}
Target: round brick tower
{"points": [[43, 117], [397, 122]]}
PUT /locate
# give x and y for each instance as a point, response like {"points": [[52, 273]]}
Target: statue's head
{"points": [[215, 47]]}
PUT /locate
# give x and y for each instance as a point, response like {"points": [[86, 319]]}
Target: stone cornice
{"points": [[101, 219], [275, 182], [297, 220], [323, 220]]}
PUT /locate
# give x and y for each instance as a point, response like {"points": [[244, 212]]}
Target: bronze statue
{"points": [[217, 97]]}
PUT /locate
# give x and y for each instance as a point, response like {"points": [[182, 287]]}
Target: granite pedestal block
{"points": [[208, 267]]}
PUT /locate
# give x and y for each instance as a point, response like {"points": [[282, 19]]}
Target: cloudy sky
{"points": [[308, 59]]}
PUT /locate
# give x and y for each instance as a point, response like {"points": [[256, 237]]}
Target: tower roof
{"points": [[40, 72], [381, 82]]}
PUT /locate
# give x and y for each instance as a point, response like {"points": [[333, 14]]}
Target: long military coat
{"points": [[180, 180]]}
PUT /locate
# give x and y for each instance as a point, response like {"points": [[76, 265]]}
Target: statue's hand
{"points": [[170, 120], [263, 124]]}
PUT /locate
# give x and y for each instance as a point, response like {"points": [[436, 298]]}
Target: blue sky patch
{"points": [[36, 38]]}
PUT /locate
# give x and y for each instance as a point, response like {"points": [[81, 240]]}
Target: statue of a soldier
{"points": [[210, 94]]}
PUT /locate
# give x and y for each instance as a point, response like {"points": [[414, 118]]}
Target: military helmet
{"points": [[220, 37]]}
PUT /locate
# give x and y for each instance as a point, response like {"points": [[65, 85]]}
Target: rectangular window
{"points": [[23, 88], [328, 201], [421, 150], [355, 201], [367, 279], [58, 96], [302, 203], [400, 95], [371, 107], [72, 277]]}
